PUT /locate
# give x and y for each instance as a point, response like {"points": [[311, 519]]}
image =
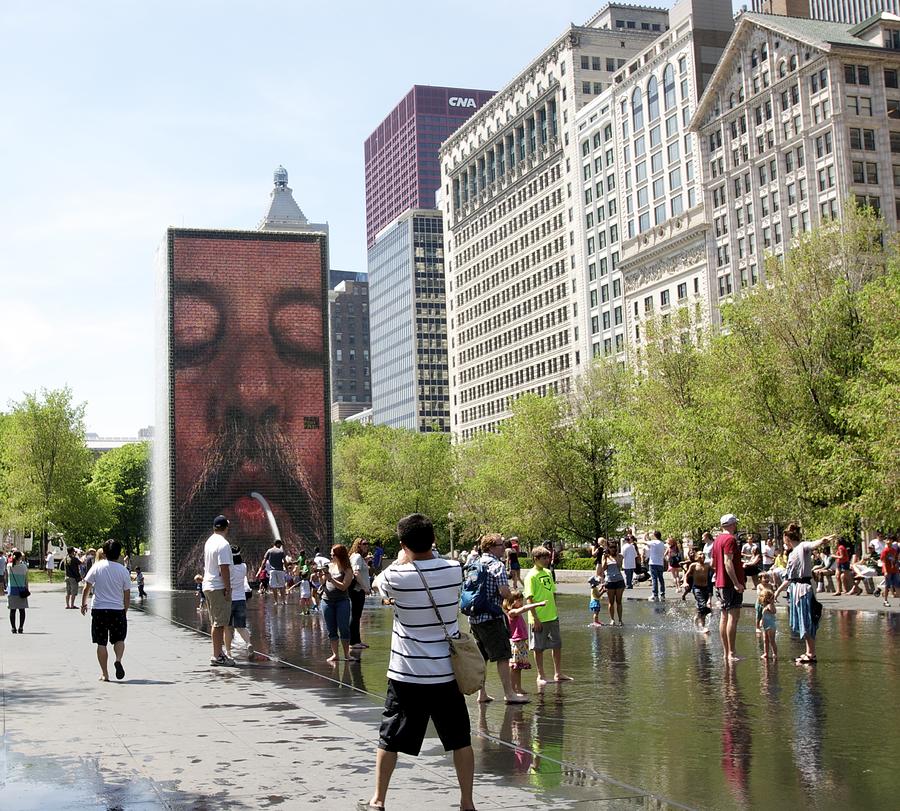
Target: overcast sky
{"points": [[119, 119]]}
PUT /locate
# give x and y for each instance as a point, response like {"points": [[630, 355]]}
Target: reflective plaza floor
{"points": [[653, 717]]}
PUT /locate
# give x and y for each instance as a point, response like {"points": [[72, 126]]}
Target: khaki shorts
{"points": [[219, 608]]}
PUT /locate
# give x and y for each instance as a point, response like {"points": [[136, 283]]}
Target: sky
{"points": [[119, 119]]}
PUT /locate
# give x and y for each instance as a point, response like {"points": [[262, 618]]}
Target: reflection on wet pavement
{"points": [[652, 709]]}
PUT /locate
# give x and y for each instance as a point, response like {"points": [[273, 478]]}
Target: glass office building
{"points": [[408, 324]]}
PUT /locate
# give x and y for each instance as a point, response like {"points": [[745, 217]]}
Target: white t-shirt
{"points": [[110, 580], [629, 556], [239, 584], [656, 551], [50, 561], [768, 554], [216, 552], [305, 590], [879, 546], [419, 650], [361, 570]]}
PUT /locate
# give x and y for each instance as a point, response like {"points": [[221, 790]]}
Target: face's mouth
{"points": [[248, 512]]}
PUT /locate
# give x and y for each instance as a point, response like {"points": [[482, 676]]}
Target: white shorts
{"points": [[277, 579]]}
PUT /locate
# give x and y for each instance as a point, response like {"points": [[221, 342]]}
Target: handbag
{"points": [[465, 658]]}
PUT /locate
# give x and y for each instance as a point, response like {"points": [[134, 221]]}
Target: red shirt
{"points": [[726, 545], [888, 560], [843, 554]]}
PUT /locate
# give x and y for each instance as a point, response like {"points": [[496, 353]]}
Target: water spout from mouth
{"points": [[269, 514]]}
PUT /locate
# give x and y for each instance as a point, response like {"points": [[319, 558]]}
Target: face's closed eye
{"points": [[198, 327], [295, 327]]}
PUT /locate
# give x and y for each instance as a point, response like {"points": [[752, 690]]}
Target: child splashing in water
{"points": [[766, 600], [598, 589], [514, 607]]}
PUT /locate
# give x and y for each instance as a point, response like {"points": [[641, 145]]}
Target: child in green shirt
{"points": [[544, 620]]}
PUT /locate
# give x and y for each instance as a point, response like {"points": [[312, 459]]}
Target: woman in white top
{"points": [[240, 588], [361, 586]]}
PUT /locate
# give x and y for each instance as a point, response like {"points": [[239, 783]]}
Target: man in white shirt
{"points": [[629, 560], [217, 562], [421, 683], [656, 556], [50, 564], [109, 610]]}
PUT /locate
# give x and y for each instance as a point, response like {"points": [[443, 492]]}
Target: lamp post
{"points": [[450, 528]]}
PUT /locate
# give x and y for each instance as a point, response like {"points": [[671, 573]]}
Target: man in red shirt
{"points": [[844, 578], [730, 580], [889, 568]]}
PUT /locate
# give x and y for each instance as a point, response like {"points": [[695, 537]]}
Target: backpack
{"points": [[474, 598]]}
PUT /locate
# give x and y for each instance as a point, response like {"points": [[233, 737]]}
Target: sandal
{"points": [[365, 805]]}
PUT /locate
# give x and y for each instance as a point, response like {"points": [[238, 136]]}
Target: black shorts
{"points": [[108, 626], [730, 597], [408, 708], [492, 638]]}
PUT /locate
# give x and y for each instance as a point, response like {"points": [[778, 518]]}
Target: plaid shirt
{"points": [[495, 580]]}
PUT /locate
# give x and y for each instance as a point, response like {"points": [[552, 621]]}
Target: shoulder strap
{"points": [[431, 597]]}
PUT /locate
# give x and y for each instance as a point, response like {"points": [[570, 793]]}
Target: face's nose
{"points": [[254, 390]]}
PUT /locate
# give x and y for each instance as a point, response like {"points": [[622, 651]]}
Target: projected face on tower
{"points": [[250, 372]]}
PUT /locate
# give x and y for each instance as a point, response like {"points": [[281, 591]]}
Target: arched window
{"points": [[764, 52], [782, 69], [731, 101], [793, 65], [637, 109], [741, 93], [669, 87], [652, 99], [754, 58]]}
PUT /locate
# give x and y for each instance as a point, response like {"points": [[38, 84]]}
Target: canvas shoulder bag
{"points": [[465, 658]]}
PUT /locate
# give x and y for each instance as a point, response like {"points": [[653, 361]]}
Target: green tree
{"points": [[382, 474], [794, 350], [673, 451], [47, 462], [559, 454], [122, 476]]}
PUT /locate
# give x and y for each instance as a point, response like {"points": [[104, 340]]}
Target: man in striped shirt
{"points": [[421, 684]]}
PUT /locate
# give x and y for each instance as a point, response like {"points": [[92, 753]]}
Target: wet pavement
{"points": [[652, 720]]}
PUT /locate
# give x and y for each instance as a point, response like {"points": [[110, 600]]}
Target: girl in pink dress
{"points": [[515, 607]]}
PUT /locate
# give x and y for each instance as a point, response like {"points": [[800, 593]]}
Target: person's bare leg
{"points": [[539, 664], [464, 762], [345, 644], [384, 767], [228, 636], [733, 616], [511, 695], [723, 633], [218, 638], [515, 680], [334, 651], [558, 675], [103, 659]]}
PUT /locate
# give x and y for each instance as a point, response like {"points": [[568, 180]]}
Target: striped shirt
{"points": [[419, 650]]}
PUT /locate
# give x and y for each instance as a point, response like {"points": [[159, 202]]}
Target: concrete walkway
{"points": [[178, 734]]}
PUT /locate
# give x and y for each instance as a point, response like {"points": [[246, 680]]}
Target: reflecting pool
{"points": [[652, 709]]}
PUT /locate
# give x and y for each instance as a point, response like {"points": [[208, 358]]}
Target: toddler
{"points": [[198, 587], [139, 578], [765, 582], [514, 606], [305, 593], [766, 603], [598, 589]]}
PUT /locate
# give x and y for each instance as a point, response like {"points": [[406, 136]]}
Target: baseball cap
{"points": [[220, 522], [728, 518]]}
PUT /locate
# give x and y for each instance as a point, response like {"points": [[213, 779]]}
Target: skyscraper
{"points": [[838, 11], [402, 166], [406, 256]]}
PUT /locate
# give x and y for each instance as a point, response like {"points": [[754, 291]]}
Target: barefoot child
{"points": [[198, 587], [696, 580], [598, 589], [766, 600], [514, 606], [541, 588], [765, 583]]}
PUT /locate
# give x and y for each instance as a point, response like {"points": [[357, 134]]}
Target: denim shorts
{"points": [[238, 614]]}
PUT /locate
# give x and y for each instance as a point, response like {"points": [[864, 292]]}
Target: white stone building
{"points": [[509, 181], [799, 115], [641, 228]]}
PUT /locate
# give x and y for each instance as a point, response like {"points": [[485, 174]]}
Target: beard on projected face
{"points": [[248, 455]]}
